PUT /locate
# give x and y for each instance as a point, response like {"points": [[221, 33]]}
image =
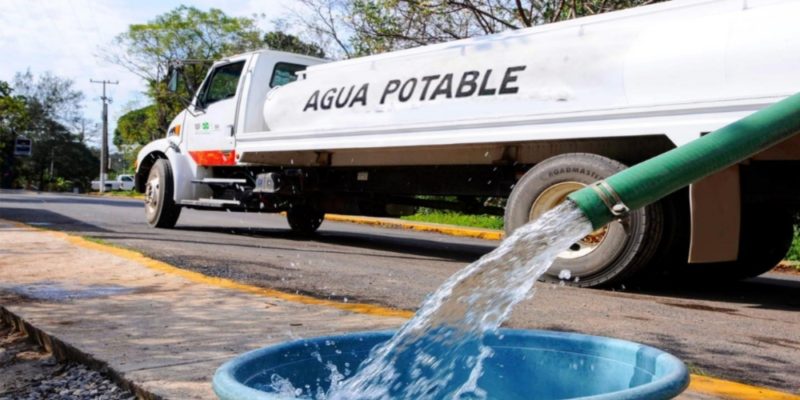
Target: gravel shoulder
{"points": [[27, 371]]}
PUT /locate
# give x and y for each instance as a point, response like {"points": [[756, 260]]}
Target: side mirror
{"points": [[172, 86]]}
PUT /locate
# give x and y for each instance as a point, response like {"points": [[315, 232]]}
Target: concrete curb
{"points": [[451, 230], [64, 351], [112, 194]]}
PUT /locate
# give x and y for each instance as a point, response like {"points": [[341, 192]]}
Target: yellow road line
{"points": [[360, 308], [735, 391], [116, 196], [723, 389], [488, 234]]}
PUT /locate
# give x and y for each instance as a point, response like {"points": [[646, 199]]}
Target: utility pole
{"points": [[104, 147]]}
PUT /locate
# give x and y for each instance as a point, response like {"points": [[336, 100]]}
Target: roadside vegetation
{"points": [[454, 218], [794, 252], [48, 110], [131, 194]]}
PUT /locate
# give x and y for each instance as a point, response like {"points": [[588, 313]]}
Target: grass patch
{"points": [[97, 240], [131, 194], [695, 370], [794, 251], [453, 218]]}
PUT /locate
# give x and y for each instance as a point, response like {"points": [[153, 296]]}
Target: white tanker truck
{"points": [[528, 116]]}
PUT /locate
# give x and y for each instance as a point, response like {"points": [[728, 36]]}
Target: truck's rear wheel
{"points": [[304, 219], [766, 236], [606, 256], [159, 203]]}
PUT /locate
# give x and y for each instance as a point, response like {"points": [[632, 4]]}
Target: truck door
{"points": [[211, 128]]}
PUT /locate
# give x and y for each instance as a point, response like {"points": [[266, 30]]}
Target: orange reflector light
{"points": [[175, 130], [214, 158]]}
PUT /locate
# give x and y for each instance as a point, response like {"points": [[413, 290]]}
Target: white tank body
{"points": [[664, 60]]}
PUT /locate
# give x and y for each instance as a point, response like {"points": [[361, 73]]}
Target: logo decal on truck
{"points": [[206, 127], [425, 88]]}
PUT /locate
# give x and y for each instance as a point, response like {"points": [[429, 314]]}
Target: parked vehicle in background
{"points": [[529, 115], [123, 182]]}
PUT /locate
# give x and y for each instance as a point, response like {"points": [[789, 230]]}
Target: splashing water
{"points": [[441, 348]]}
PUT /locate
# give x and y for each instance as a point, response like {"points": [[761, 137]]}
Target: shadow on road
{"points": [[767, 291], [418, 247], [74, 200], [49, 219]]}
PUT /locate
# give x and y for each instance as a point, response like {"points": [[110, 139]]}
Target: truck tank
{"points": [[664, 58]]}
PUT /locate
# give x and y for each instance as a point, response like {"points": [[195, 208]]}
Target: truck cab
{"points": [[228, 104]]}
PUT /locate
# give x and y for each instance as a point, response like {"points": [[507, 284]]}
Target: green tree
{"points": [[13, 115], [50, 98], [185, 33], [53, 110], [13, 118], [285, 42], [135, 129]]}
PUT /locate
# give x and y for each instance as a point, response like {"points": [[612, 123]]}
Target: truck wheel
{"points": [[304, 219], [159, 204], [765, 238], [608, 255]]}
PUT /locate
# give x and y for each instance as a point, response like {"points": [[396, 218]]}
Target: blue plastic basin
{"points": [[527, 364]]}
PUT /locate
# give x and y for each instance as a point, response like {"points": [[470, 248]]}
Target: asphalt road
{"points": [[748, 331]]}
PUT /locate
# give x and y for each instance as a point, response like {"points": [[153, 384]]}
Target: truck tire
{"points": [[159, 202], [304, 219], [608, 255], [765, 238]]}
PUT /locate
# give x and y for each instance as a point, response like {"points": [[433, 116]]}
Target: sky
{"points": [[67, 38]]}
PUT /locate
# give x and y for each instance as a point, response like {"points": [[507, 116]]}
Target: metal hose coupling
{"points": [[611, 199], [613, 202]]}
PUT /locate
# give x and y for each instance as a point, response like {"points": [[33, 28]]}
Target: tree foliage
{"points": [[285, 42], [137, 127], [50, 99], [46, 110], [327, 24], [13, 118], [13, 115], [185, 33], [375, 26]]}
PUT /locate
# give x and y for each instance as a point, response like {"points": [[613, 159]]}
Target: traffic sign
{"points": [[22, 147]]}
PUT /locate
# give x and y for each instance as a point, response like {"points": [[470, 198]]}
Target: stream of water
{"points": [[440, 350]]}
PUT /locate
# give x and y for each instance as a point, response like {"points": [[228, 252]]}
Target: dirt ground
{"points": [[29, 372], [787, 267]]}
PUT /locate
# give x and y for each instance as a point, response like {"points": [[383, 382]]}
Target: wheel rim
{"points": [[151, 193], [550, 198]]}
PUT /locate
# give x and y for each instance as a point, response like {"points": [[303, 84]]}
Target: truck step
{"points": [[220, 181], [219, 203]]}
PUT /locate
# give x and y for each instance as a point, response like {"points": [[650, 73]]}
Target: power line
{"points": [[104, 147]]}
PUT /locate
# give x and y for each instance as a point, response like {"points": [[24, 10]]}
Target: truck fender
{"points": [[181, 170]]}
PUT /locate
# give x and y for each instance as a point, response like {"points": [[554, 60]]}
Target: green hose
{"points": [[651, 180]]}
